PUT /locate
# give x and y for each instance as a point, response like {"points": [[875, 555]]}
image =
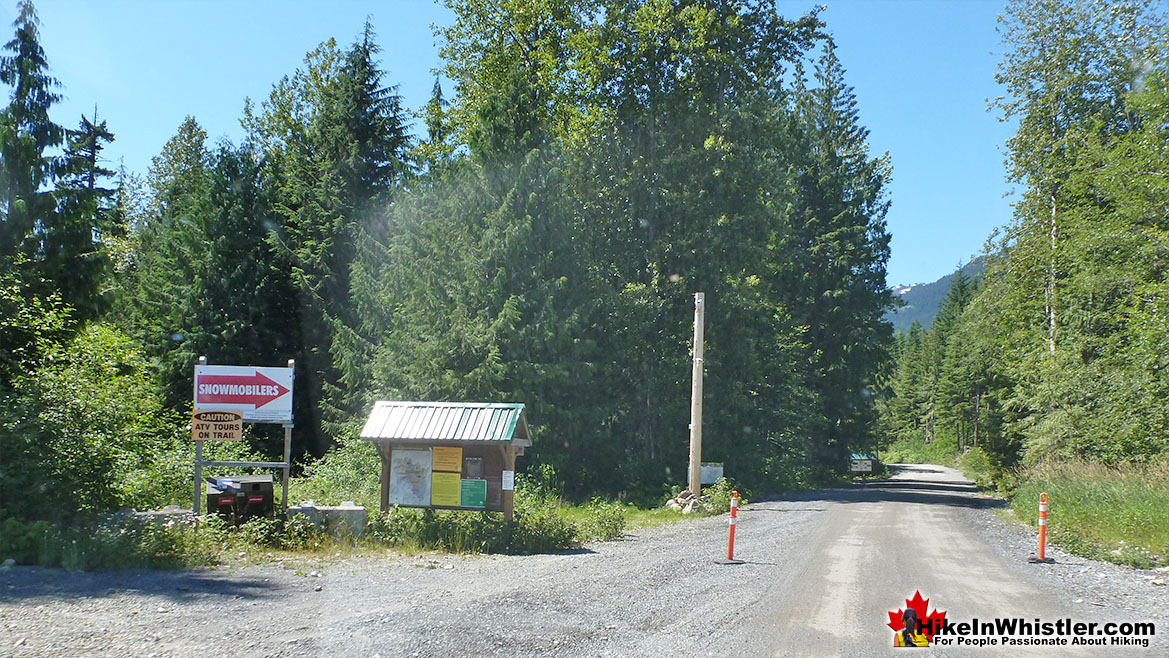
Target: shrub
{"points": [[537, 486], [605, 521], [116, 542], [461, 532], [294, 533], [260, 531], [349, 471], [542, 530], [298, 533], [718, 497], [976, 465]]}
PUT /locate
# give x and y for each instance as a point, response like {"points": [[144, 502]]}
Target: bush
{"points": [[718, 497], [460, 532], [349, 471], [543, 530], [298, 533], [605, 521], [294, 533], [116, 542], [537, 486], [260, 531], [86, 432]]}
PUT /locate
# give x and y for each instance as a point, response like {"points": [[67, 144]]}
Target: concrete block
{"points": [[344, 519]]}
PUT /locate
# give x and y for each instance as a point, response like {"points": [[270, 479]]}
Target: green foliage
{"points": [[542, 529], [941, 451], [86, 431], [605, 521], [29, 326], [976, 465], [30, 213], [599, 163], [333, 140], [619, 157], [119, 542], [292, 533], [349, 471], [718, 496], [1059, 353], [1108, 513], [460, 532]]}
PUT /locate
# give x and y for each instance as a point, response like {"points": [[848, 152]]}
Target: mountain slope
{"points": [[922, 299]]}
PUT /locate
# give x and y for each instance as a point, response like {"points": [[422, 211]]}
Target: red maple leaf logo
{"points": [[930, 623]]}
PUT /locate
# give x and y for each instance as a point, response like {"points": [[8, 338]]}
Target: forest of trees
{"points": [[534, 233], [1061, 350]]}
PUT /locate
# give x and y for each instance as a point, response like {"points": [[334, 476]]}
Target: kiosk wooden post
{"points": [[509, 494], [384, 452]]}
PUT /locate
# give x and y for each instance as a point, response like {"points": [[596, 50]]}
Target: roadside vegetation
{"points": [[544, 522], [1113, 513], [1050, 371]]}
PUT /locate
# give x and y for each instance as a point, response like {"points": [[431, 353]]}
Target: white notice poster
{"points": [[410, 477], [508, 480]]}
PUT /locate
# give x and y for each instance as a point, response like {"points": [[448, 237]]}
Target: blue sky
{"points": [[922, 72]]}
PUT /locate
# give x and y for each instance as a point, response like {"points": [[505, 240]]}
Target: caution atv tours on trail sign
{"points": [[262, 395]]}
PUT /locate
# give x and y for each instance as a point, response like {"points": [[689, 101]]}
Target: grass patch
{"points": [[976, 466], [1115, 514], [114, 542], [941, 451]]}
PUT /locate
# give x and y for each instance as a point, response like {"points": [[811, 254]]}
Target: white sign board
{"points": [[261, 395], [710, 472], [861, 466], [508, 482], [410, 477]]}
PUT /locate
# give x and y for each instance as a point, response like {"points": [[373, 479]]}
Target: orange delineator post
{"points": [[734, 515], [1042, 524]]}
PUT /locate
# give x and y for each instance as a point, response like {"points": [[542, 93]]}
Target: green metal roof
{"points": [[863, 455], [446, 421]]}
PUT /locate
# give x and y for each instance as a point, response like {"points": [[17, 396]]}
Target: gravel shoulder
{"points": [[821, 569]]}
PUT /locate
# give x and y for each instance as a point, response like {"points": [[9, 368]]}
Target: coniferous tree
{"points": [[77, 261], [26, 133], [334, 143], [837, 248]]}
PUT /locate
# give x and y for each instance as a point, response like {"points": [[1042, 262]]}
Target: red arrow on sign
{"points": [[255, 389]]}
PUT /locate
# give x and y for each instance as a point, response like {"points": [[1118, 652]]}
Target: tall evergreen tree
{"points": [[77, 261], [837, 247], [334, 142], [26, 134]]}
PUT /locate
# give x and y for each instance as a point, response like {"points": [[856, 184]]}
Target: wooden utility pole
{"points": [[696, 401]]}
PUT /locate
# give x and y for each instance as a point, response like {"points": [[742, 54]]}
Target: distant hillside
{"points": [[922, 299]]}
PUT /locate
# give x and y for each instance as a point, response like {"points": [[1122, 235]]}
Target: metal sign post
{"points": [[248, 391]]}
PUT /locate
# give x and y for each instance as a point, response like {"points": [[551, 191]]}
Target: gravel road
{"points": [[821, 571]]}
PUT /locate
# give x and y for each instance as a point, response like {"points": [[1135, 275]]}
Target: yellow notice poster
{"points": [[445, 489], [448, 459]]}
